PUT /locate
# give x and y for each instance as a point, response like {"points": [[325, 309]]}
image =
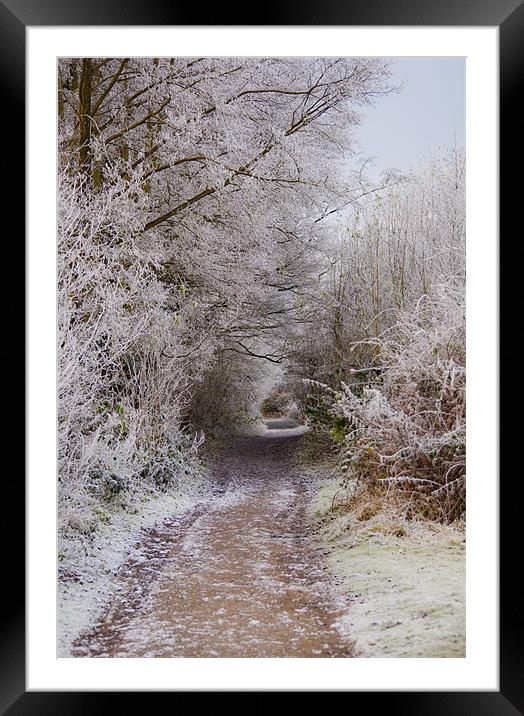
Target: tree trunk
{"points": [[85, 97]]}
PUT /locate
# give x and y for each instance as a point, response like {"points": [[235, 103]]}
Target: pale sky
{"points": [[427, 113]]}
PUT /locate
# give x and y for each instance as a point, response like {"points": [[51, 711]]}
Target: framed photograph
{"points": [[257, 257]]}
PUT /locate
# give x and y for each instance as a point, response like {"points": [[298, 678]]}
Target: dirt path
{"points": [[238, 578]]}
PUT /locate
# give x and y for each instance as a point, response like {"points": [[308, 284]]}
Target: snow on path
{"points": [[236, 578]]}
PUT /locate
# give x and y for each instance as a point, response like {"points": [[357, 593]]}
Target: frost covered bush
{"points": [[120, 398], [380, 368], [280, 403], [408, 430], [225, 398]]}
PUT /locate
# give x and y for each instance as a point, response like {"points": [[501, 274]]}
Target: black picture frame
{"points": [[508, 15]]}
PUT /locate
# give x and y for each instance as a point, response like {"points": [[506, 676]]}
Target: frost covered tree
{"points": [[194, 194]]}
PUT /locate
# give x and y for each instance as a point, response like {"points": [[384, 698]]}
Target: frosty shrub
{"points": [[119, 397], [380, 368], [408, 430]]}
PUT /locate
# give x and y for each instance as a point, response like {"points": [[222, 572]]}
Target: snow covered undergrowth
{"points": [[88, 566], [406, 578]]}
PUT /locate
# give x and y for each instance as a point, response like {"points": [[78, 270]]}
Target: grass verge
{"points": [[405, 578]]}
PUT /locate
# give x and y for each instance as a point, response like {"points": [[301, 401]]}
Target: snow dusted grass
{"points": [[88, 567], [406, 578]]}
